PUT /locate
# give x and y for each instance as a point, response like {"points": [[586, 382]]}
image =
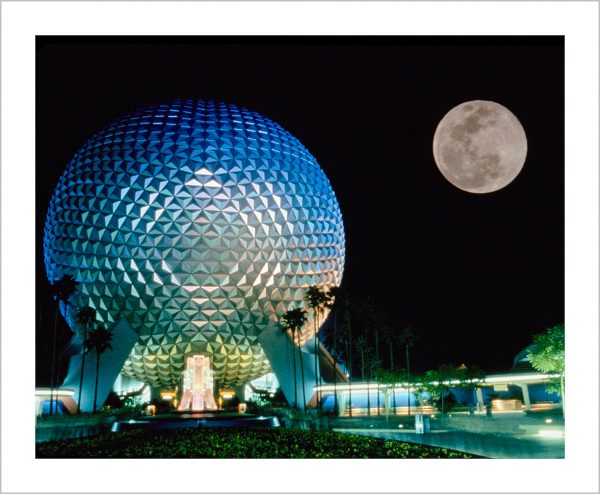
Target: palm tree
{"points": [[350, 350], [287, 325], [333, 295], [316, 299], [344, 339], [294, 320], [380, 326], [287, 330], [344, 336], [99, 340], [86, 316], [375, 368], [62, 289], [362, 347], [408, 338], [392, 338]]}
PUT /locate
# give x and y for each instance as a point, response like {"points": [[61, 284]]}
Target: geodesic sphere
{"points": [[200, 223]]}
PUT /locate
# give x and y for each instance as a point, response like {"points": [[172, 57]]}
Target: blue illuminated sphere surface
{"points": [[200, 223]]}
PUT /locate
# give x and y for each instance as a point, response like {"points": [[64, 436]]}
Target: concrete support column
{"points": [[479, 395], [279, 349], [154, 393], [124, 337], [526, 399], [341, 399], [387, 400], [216, 395], [240, 392]]}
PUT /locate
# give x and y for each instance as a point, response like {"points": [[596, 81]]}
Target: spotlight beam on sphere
{"points": [[480, 146], [201, 223]]}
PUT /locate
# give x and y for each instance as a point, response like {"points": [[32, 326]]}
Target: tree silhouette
{"points": [[344, 334], [61, 290], [333, 296], [86, 317], [379, 326], [99, 340], [392, 339], [408, 338], [293, 320], [362, 347], [317, 299]]}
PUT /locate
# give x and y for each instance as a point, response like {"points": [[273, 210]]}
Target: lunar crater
{"points": [[480, 146]]}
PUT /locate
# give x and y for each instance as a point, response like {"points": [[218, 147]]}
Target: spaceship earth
{"points": [[200, 223]]}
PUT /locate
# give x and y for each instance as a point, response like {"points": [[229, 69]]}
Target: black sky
{"points": [[476, 275]]}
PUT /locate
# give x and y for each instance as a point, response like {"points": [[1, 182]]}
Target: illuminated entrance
{"points": [[197, 385]]}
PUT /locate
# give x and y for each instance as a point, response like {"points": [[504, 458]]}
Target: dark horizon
{"points": [[475, 275]]}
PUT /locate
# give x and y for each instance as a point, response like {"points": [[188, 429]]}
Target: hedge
{"points": [[237, 443]]}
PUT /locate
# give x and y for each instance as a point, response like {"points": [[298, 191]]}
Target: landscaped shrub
{"points": [[237, 443]]}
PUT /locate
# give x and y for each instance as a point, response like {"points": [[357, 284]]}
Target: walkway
{"points": [[489, 445]]}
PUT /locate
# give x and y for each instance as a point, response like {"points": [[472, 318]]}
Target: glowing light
{"points": [[60, 392], [551, 433], [198, 383], [530, 378]]}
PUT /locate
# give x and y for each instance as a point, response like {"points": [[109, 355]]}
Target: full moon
{"points": [[480, 146]]}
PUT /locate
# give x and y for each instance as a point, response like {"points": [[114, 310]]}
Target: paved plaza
{"points": [[511, 435]]}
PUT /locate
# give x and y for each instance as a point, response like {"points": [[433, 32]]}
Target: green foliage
{"points": [[389, 377], [419, 385], [469, 377], [430, 384], [131, 402], [548, 356], [237, 443], [130, 406], [264, 401], [548, 353], [437, 383]]}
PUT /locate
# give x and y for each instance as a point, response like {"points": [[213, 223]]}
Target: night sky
{"points": [[475, 275]]}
